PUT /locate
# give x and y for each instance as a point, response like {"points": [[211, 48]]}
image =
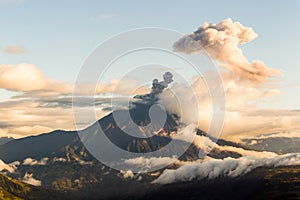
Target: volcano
{"points": [[70, 167]]}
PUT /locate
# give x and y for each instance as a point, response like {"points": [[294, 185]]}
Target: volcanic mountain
{"points": [[61, 161]]}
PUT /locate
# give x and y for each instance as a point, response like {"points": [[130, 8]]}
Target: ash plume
{"points": [[221, 41], [158, 87]]}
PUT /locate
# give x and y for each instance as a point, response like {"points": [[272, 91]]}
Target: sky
{"points": [[56, 37]]}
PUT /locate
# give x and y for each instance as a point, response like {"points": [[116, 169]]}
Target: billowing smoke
{"points": [[246, 84], [228, 167], [159, 86], [221, 41]]}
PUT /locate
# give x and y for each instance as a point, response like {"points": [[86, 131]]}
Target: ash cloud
{"points": [[221, 41], [246, 84]]}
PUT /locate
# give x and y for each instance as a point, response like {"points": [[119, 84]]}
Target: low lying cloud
{"points": [[259, 122], [275, 135], [31, 161], [149, 163], [228, 167], [29, 179], [205, 144], [55, 159], [9, 167], [127, 174]]}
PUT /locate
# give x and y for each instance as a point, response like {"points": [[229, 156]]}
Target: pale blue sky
{"points": [[58, 35]]}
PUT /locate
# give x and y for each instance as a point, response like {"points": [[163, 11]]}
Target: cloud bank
{"points": [[38, 101], [228, 167]]}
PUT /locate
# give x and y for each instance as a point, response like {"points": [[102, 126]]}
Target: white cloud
{"points": [[29, 179], [127, 174], [55, 159], [149, 163], [44, 100], [22, 77], [31, 161], [274, 135], [9, 167], [82, 162], [206, 145], [228, 167]]}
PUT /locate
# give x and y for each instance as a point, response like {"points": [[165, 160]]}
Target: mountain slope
{"points": [[44, 145], [59, 143], [274, 144], [4, 140], [77, 170], [11, 189]]}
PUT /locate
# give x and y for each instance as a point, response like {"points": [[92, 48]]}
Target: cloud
{"points": [[273, 135], [228, 167], [41, 101], [221, 41], [35, 115], [22, 77], [28, 78], [243, 117], [149, 163], [55, 159], [206, 145], [29, 179], [245, 84], [9, 167], [252, 122], [13, 49], [127, 174], [82, 162], [31, 161]]}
